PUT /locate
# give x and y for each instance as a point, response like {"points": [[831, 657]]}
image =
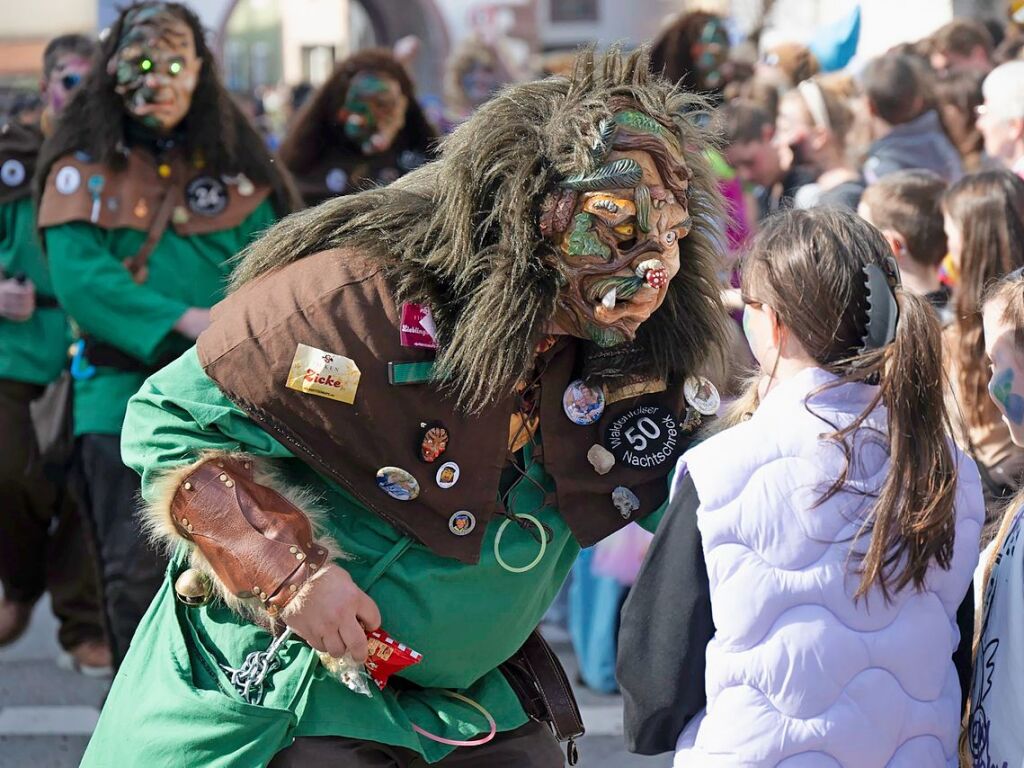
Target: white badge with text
{"points": [[316, 372]]}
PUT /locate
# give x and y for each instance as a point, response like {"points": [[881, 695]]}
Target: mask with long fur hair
{"points": [[461, 234]]}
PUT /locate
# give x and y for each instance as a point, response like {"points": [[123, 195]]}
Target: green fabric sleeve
{"points": [[99, 293], [180, 412]]}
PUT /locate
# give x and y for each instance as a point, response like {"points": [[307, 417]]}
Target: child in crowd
{"points": [[813, 123], [907, 131], [907, 207], [994, 736], [839, 524], [984, 222]]}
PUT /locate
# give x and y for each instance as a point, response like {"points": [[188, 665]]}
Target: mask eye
{"points": [[175, 67], [146, 65], [670, 237]]}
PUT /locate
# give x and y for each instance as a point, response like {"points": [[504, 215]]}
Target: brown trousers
{"points": [[531, 746], [43, 540]]}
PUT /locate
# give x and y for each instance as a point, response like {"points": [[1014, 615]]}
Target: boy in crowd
{"points": [[962, 44], [906, 207], [908, 133], [748, 133]]}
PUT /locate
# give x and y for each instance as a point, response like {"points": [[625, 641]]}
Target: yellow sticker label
{"points": [[316, 372]]}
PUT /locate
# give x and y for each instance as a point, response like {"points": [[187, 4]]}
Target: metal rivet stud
{"points": [[293, 550], [188, 486], [230, 484], [223, 477], [300, 556]]}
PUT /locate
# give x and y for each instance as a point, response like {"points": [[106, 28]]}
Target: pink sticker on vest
{"points": [[418, 327]]}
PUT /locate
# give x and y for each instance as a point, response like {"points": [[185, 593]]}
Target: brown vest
{"points": [[339, 302], [79, 190], [340, 172]]}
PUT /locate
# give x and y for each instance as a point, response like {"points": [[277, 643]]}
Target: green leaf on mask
{"points": [[583, 241]]}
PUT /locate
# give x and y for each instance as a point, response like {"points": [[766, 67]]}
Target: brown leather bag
{"points": [[540, 682]]}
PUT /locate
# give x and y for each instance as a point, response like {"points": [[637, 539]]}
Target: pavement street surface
{"points": [[47, 713]]}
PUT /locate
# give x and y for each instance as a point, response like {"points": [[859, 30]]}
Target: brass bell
{"points": [[193, 587]]}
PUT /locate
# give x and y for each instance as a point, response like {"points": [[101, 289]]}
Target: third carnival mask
{"points": [[374, 111], [710, 52], [155, 67], [618, 228]]}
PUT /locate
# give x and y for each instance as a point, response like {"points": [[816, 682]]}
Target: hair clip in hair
{"points": [[881, 281]]}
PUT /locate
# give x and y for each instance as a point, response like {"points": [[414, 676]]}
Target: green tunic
{"points": [[465, 620], [33, 351], [100, 295]]}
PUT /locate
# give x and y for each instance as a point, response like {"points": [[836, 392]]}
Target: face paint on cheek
{"points": [[1002, 392]]}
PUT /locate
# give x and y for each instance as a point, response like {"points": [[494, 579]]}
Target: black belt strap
{"points": [[105, 355]]}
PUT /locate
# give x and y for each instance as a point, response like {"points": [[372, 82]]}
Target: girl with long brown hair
{"points": [[838, 522], [984, 222], [993, 736]]}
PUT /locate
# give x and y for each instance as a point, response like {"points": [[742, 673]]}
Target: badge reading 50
{"points": [[643, 438]]}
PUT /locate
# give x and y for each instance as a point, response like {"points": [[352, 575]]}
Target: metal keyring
{"points": [[536, 560]]}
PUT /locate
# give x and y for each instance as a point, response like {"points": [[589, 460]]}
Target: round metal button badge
{"points": [[645, 437], [462, 523], [702, 395], [12, 172], [582, 404], [68, 180], [448, 474], [206, 196], [336, 180], [397, 483]]}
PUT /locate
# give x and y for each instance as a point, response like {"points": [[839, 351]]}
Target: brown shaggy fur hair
{"points": [[461, 233]]}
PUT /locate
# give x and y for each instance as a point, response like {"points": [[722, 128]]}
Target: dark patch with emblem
{"points": [[645, 437], [206, 196]]}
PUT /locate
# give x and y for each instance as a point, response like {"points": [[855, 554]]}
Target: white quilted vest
{"points": [[798, 675]]}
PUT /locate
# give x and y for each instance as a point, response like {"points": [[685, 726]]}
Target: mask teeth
{"points": [[645, 266], [608, 300]]}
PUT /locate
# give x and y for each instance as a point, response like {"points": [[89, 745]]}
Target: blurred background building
{"points": [[278, 44]]}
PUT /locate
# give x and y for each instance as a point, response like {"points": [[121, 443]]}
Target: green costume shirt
{"points": [[100, 295], [33, 351], [172, 704]]}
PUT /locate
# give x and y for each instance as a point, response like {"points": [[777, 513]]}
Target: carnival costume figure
{"points": [[414, 408], [151, 183], [362, 128]]}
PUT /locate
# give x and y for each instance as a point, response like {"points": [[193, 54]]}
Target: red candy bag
{"points": [[386, 656]]}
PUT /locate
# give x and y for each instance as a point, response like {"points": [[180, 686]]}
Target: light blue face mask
{"points": [[746, 326]]}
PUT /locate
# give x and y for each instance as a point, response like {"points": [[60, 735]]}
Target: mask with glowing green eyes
{"points": [[155, 67], [618, 228]]}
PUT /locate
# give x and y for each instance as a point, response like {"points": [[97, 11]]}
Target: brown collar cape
{"points": [[78, 189], [19, 148], [341, 303], [344, 172]]}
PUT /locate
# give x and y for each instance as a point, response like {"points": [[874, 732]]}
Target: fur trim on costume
{"points": [[462, 234], [158, 526]]}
